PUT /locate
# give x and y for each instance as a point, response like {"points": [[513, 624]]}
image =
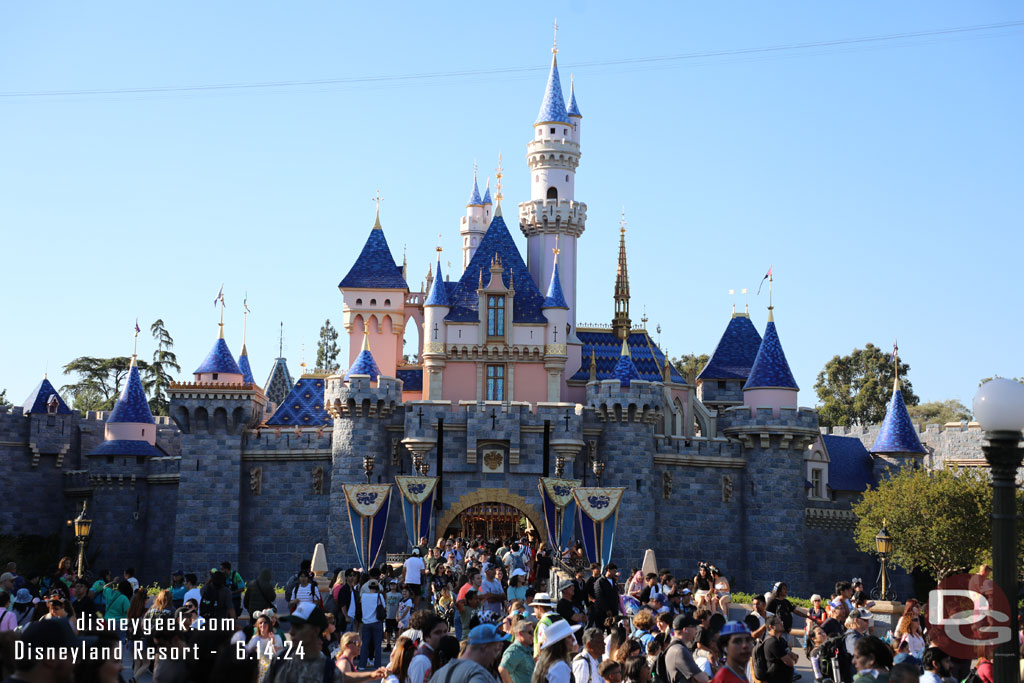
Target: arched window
{"points": [[552, 192], [359, 302], [373, 302], [387, 302]]}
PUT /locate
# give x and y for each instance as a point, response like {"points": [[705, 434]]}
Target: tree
{"points": [[4, 403], [939, 519], [327, 348], [939, 412], [856, 389], [158, 376], [100, 381], [689, 365]]}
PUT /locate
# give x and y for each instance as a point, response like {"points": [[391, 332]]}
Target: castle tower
{"points": [[243, 358], [131, 419], [720, 382], [556, 310], [219, 366], [435, 308], [897, 444], [364, 363], [474, 223], [45, 399], [374, 291], [621, 323], [771, 383], [552, 156], [279, 383]]}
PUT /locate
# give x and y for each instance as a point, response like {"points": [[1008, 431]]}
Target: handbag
{"points": [[381, 612]]}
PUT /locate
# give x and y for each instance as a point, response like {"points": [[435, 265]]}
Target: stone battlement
{"points": [[357, 398], [740, 416], [922, 428]]}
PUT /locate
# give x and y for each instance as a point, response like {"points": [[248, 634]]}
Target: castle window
{"points": [[495, 382], [359, 302], [215, 375], [495, 316], [387, 302], [566, 177], [373, 302], [817, 483], [552, 192], [552, 131], [722, 385], [565, 131]]}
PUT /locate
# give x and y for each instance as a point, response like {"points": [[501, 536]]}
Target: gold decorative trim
{"points": [[555, 349], [434, 347], [502, 496]]}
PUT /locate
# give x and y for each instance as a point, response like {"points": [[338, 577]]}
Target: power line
{"points": [[465, 73]]}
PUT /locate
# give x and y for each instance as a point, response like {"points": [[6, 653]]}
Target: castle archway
{"points": [[494, 507]]}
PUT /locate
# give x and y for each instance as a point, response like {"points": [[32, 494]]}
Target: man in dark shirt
{"points": [[776, 650], [833, 626], [567, 607], [606, 596], [81, 602], [783, 608], [679, 663], [650, 581]]}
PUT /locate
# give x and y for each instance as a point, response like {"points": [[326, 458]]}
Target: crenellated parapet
{"points": [[792, 428], [641, 402], [216, 408], [544, 215], [359, 396]]}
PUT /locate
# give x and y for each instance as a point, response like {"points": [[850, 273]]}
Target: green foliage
{"points": [[939, 412], [748, 599], [987, 379], [689, 365], [100, 381], [31, 552], [856, 389], [939, 519], [158, 376], [327, 348], [4, 403]]}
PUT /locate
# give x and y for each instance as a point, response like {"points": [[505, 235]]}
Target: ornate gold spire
{"points": [[376, 221], [621, 323], [593, 365], [499, 172]]}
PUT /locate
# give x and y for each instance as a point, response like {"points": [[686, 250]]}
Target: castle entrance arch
{"points": [[491, 513]]}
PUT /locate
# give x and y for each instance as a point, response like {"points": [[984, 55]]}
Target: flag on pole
{"points": [[137, 330], [219, 299], [895, 351], [766, 276], [245, 303]]}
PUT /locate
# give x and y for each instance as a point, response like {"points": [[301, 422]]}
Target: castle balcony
{"points": [[795, 428], [544, 215]]}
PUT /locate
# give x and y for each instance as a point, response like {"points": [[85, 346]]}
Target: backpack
{"points": [[660, 673], [759, 662], [208, 601], [329, 604], [832, 656], [973, 676]]}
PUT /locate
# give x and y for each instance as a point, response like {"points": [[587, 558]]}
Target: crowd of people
{"points": [[460, 611]]}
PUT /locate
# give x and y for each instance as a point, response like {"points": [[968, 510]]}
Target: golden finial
{"points": [[556, 251], [303, 363], [366, 338], [622, 221], [554, 44], [497, 185], [593, 365], [377, 199]]}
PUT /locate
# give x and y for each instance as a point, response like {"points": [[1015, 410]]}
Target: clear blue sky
{"points": [[881, 179]]}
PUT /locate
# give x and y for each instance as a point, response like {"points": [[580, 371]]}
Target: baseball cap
{"points": [[686, 591], [416, 552], [734, 627], [7, 576], [684, 621], [861, 614], [307, 613], [484, 634], [518, 572]]}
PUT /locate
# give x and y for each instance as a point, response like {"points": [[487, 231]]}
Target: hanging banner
{"points": [[368, 506], [417, 505], [599, 513], [559, 509]]}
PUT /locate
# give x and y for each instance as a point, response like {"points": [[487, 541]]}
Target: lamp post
{"points": [[368, 467], [598, 470], [999, 407], [883, 545], [559, 465], [83, 527]]}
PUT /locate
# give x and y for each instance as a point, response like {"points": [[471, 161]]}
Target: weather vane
{"points": [[622, 221]]}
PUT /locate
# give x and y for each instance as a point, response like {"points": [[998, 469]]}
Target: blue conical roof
{"points": [[364, 365], [770, 370], [132, 405], [898, 434], [438, 292], [625, 371], [573, 109], [219, 360], [735, 353], [552, 108], [487, 193], [375, 267], [474, 196], [554, 297], [243, 365], [36, 401]]}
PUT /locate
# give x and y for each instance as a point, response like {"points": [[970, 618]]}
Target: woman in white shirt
{"points": [[910, 627], [553, 662], [264, 643]]}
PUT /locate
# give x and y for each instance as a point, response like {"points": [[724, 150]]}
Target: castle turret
{"points": [[279, 383], [556, 310], [553, 155], [243, 358], [771, 383], [374, 290], [435, 308], [219, 366], [897, 444], [621, 323], [474, 223], [364, 364], [720, 382], [131, 419], [45, 399], [625, 370]]}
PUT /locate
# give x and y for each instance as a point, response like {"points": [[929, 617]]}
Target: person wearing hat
{"points": [[606, 596], [559, 645], [22, 606], [412, 575], [374, 611], [857, 626], [264, 643], [567, 607], [837, 614], [308, 662], [7, 582], [735, 642], [679, 663], [517, 585], [544, 611], [491, 592], [47, 646], [473, 666]]}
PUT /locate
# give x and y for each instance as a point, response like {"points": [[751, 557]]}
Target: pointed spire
{"points": [[621, 323], [593, 365], [499, 172], [487, 193], [132, 406], [474, 196], [280, 342], [625, 371], [376, 221], [554, 298], [574, 110], [898, 434], [438, 292], [770, 369], [735, 353], [364, 363], [552, 107]]}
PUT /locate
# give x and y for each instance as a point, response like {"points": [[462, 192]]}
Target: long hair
{"points": [[401, 658], [164, 602], [549, 656], [137, 607], [633, 668], [874, 647]]}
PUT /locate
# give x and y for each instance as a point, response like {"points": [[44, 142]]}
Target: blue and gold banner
{"points": [[368, 506], [417, 505], [559, 509], [599, 513]]}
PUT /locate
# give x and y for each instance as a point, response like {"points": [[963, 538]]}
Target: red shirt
{"points": [[725, 675]]}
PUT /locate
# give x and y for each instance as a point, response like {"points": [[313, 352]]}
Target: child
{"points": [[405, 609], [392, 600]]}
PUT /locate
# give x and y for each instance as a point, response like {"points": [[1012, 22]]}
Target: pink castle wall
{"points": [[459, 383], [531, 382], [769, 398], [385, 346], [130, 431]]}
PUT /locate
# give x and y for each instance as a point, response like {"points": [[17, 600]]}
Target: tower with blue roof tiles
{"points": [[435, 308], [474, 223], [897, 444]]}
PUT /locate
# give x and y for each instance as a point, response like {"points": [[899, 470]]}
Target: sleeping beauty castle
{"points": [[512, 418]]}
